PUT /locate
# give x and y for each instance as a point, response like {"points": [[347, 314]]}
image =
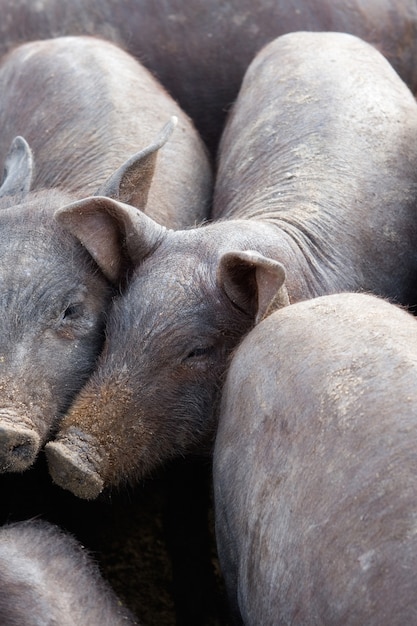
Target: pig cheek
{"points": [[65, 358], [193, 396]]}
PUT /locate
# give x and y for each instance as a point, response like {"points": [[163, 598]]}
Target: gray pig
{"points": [[317, 179], [46, 577], [200, 50], [84, 108], [315, 467]]}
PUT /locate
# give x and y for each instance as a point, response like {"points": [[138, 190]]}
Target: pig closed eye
{"points": [[201, 351], [72, 312]]}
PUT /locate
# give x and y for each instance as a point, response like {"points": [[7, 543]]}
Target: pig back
{"points": [[47, 577], [322, 142], [200, 51], [85, 106], [314, 466], [322, 123]]}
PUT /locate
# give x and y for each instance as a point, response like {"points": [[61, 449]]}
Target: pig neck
{"points": [[310, 270]]}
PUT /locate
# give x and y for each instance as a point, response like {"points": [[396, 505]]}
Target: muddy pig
{"points": [[314, 466], [317, 179], [46, 577], [200, 51], [81, 116]]}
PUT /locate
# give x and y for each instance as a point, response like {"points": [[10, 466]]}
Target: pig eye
{"points": [[72, 312], [200, 352]]}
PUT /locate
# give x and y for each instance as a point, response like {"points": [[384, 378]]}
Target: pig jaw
{"points": [[74, 464]]}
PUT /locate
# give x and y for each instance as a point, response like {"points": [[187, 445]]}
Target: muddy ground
{"points": [[134, 533]]}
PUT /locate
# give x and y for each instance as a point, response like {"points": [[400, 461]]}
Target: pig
{"points": [[47, 577], [200, 51], [81, 117], [315, 193], [314, 466]]}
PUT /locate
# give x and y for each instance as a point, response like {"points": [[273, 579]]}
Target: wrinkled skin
{"points": [[320, 199], [314, 467], [89, 129], [92, 106], [200, 51], [46, 577]]}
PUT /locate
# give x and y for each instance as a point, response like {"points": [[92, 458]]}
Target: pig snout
{"points": [[19, 442], [73, 465]]}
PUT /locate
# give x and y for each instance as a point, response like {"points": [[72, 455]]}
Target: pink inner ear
{"points": [[267, 289], [18, 168], [102, 240], [98, 232], [269, 277], [115, 234], [272, 292]]}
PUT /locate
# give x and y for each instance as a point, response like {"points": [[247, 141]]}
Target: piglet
{"points": [[315, 193], [81, 116], [315, 467]]}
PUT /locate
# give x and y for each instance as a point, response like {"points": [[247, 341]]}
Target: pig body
{"points": [[317, 180], [91, 107], [46, 577], [314, 466], [200, 52], [85, 107]]}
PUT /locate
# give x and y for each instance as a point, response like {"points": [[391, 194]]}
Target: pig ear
{"points": [[18, 169], [131, 182], [253, 282], [117, 236]]}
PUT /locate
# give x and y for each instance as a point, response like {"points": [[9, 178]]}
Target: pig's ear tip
{"points": [[70, 472]]}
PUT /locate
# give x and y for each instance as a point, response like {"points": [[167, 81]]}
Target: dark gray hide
{"points": [[200, 50], [315, 467], [47, 577], [317, 179], [84, 107]]}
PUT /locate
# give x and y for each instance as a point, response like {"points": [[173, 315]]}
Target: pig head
{"points": [[53, 299], [168, 338]]}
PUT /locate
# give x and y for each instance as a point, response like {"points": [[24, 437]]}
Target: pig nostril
{"points": [[22, 451], [71, 471], [18, 447]]}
